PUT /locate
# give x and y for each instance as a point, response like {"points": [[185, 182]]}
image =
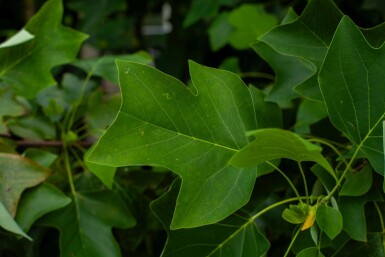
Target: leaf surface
{"points": [[329, 220], [305, 42], [16, 174], [272, 144], [351, 84], [236, 236], [27, 67], [39, 201], [85, 225], [192, 131], [9, 224]]}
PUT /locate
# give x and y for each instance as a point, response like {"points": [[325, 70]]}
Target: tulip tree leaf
{"points": [[16, 174], [20, 37], [351, 84], [8, 107], [272, 144], [27, 66], [85, 224], [38, 201], [237, 235], [192, 131], [304, 42]]}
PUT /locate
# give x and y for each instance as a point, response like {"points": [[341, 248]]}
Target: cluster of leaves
{"points": [[247, 181]]}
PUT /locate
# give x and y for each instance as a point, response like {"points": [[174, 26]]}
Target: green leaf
{"points": [[42, 157], [272, 144], [85, 224], [201, 8], [268, 114], [295, 214], [236, 236], [309, 112], [8, 223], [372, 247], [34, 128], [357, 183], [329, 220], [191, 131], [290, 71], [101, 112], [9, 106], [305, 42], [249, 21], [219, 32], [20, 37], [27, 67], [310, 252], [104, 173], [16, 174], [350, 82], [105, 65], [353, 213], [39, 201]]}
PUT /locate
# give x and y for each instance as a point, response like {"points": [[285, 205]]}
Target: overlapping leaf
{"points": [[352, 87], [85, 225], [236, 236], [192, 131], [302, 42], [27, 66], [16, 174], [272, 144]]}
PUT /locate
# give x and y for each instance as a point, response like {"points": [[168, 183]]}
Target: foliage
{"points": [[277, 155]]}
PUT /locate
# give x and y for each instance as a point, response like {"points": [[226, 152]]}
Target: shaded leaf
{"points": [[350, 82], [104, 173], [85, 224], [310, 252], [16, 174], [219, 32], [353, 213], [34, 128], [309, 112], [18, 65], [305, 41], [271, 144], [373, 247], [8, 223], [9, 106], [42, 157], [357, 183], [39, 201], [191, 131], [329, 220], [101, 112], [236, 236], [105, 66], [249, 22]]}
